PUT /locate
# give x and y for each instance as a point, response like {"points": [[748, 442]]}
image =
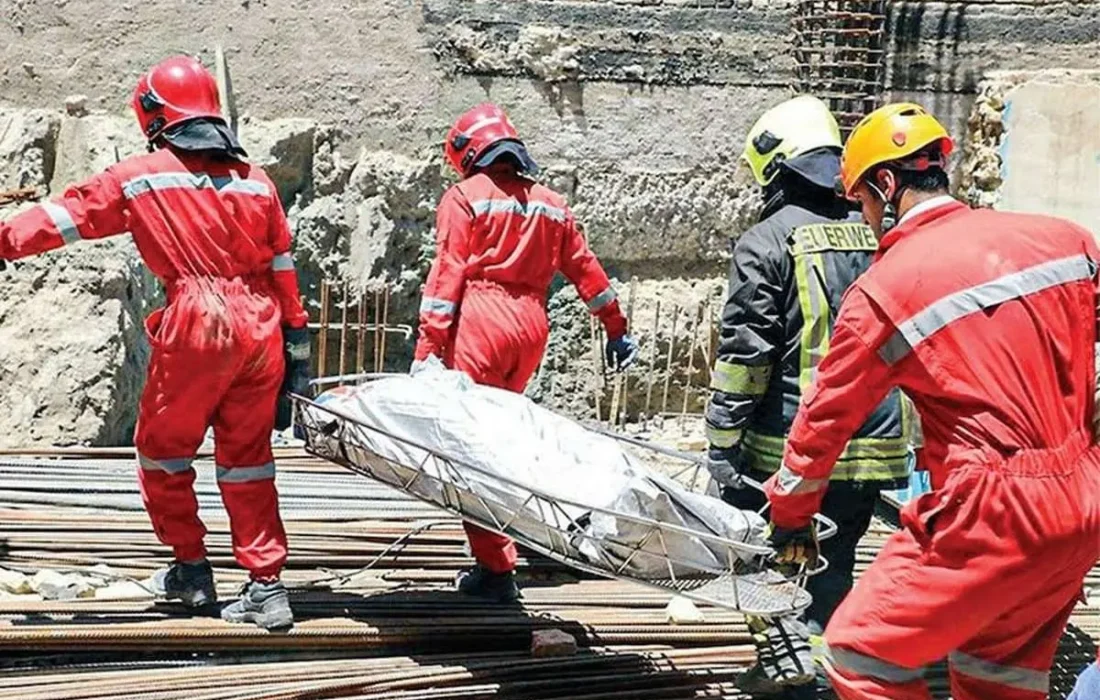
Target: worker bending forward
{"points": [[211, 228], [500, 238], [987, 321]]}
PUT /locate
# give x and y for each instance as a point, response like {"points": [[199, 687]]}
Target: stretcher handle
{"points": [[826, 528]]}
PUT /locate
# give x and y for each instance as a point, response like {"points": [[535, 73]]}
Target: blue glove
{"points": [[296, 352], [621, 353]]}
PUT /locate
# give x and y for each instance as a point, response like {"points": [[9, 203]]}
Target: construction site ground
{"points": [[374, 620]]}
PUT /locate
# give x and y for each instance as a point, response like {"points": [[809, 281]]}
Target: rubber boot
{"points": [[191, 584], [263, 603], [482, 583]]}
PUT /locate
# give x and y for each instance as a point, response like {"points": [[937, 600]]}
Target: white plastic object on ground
{"points": [[681, 611], [506, 434]]}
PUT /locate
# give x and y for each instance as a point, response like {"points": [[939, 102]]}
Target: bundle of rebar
{"points": [[371, 573]]}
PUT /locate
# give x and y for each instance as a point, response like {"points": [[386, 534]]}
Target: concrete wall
{"points": [[637, 110]]}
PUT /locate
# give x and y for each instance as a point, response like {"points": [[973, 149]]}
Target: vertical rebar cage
{"points": [[839, 51]]}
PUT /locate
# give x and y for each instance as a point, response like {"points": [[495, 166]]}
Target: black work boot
{"points": [[263, 603], [192, 584], [783, 650], [482, 583]]}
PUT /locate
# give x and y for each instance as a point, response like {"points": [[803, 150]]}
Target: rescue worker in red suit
{"points": [[211, 228], [987, 321], [500, 239]]}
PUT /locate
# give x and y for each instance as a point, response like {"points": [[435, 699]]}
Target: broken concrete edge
{"points": [[552, 642], [981, 168]]}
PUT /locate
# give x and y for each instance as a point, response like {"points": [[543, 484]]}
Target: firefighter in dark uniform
{"points": [[788, 275]]}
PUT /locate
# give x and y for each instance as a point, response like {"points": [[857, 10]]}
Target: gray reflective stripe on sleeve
{"points": [[171, 466], [1011, 676], [951, 308], [791, 484], [191, 181], [602, 299], [863, 665], [511, 206], [241, 475], [437, 307], [245, 186], [61, 218], [282, 262]]}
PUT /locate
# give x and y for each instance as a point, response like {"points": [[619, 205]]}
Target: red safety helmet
{"points": [[174, 91], [482, 135]]}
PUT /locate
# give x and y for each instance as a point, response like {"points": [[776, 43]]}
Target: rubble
{"points": [[552, 642], [76, 105]]}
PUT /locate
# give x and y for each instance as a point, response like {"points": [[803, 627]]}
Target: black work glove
{"points": [[794, 546], [296, 353], [724, 465]]}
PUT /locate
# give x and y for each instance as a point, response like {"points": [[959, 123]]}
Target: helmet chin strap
{"points": [[890, 210]]}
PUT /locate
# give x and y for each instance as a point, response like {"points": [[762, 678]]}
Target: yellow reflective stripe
{"points": [[802, 276], [815, 314], [859, 447], [740, 379], [864, 459], [719, 437], [815, 238]]}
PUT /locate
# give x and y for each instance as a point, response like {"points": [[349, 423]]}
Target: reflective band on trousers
{"points": [[602, 299], [192, 181], [862, 665], [511, 206], [951, 308], [171, 466], [790, 484], [740, 379], [438, 307], [1011, 676], [719, 437], [240, 475], [282, 262], [61, 218]]}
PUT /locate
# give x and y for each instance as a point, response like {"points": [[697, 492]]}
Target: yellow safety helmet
{"points": [[785, 132], [892, 133]]}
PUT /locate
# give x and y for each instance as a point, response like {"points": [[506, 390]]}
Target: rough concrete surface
{"points": [[1033, 144]]}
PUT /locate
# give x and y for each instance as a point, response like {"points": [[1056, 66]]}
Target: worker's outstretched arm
{"points": [[851, 381], [447, 277], [581, 267], [751, 335], [92, 209], [282, 267]]}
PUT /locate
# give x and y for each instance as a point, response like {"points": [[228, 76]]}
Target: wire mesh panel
{"points": [[553, 526], [839, 51]]}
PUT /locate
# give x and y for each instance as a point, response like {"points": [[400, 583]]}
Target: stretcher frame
{"points": [[542, 524]]}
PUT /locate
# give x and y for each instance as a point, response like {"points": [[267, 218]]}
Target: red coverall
{"points": [[500, 238], [987, 321], [215, 234]]}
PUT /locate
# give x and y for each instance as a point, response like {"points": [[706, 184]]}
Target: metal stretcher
{"points": [[541, 522]]}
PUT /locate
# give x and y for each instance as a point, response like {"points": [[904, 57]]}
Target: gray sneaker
{"points": [[482, 583], [265, 604], [191, 584]]}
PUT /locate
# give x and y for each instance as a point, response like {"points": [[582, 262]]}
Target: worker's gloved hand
{"points": [[794, 546], [724, 465], [621, 352], [296, 353]]}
